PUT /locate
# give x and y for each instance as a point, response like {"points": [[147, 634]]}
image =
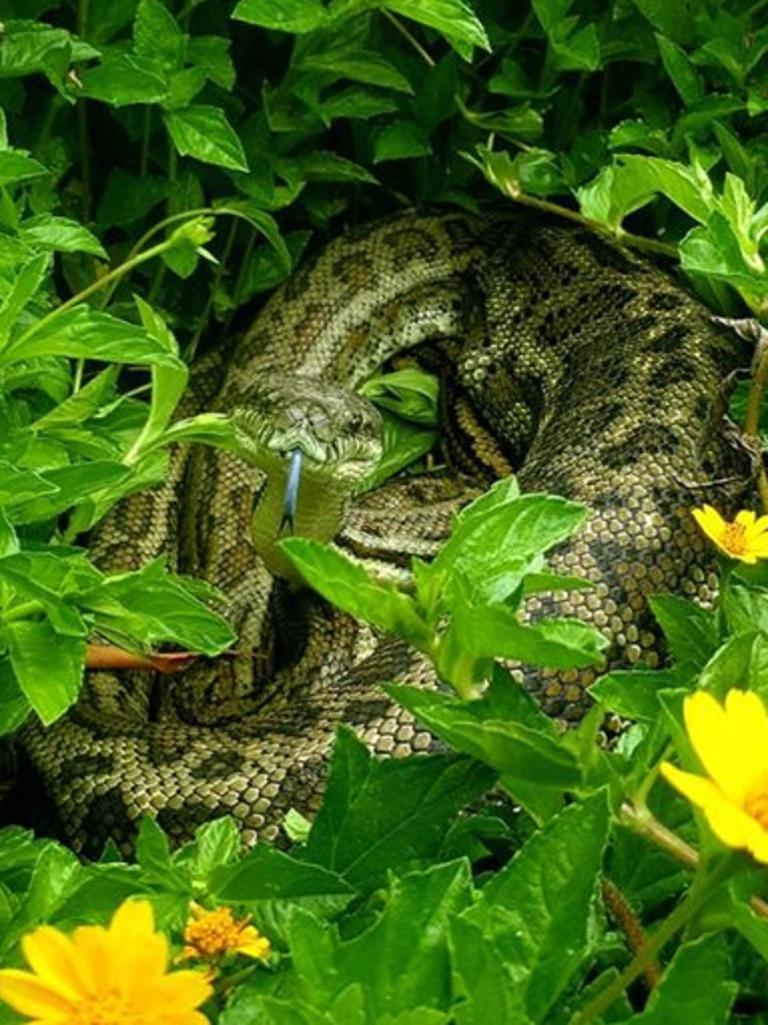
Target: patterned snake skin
{"points": [[580, 365]]}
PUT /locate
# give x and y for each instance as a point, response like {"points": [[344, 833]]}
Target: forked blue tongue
{"points": [[291, 496]]}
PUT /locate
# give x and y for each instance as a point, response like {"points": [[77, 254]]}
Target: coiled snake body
{"points": [[581, 366]]}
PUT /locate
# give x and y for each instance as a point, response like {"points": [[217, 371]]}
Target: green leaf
{"points": [[633, 692], [216, 845], [157, 36], [696, 986], [266, 873], [124, 78], [690, 631], [203, 132], [539, 912], [348, 586], [82, 332], [401, 961], [26, 283], [50, 685], [16, 166], [515, 749], [286, 15], [399, 140], [379, 815], [128, 198], [684, 75], [358, 66], [61, 235], [490, 632], [151, 606], [153, 855], [454, 18], [14, 706]]}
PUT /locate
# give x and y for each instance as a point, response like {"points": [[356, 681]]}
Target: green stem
{"points": [[699, 894], [625, 237], [411, 38]]}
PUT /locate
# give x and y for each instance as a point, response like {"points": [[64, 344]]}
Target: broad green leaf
{"points": [[379, 815], [410, 393], [216, 845], [633, 692], [690, 631], [84, 333], [125, 78], [60, 234], [212, 54], [153, 855], [339, 580], [27, 281], [168, 382], [401, 960], [203, 132], [684, 75], [514, 749], [493, 632], [399, 140], [71, 484], [285, 15], [266, 873], [359, 66], [539, 911], [18, 167], [157, 36], [696, 987], [50, 684], [151, 606], [14, 706], [454, 18]]}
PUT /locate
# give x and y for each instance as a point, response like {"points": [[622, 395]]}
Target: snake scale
{"points": [[583, 367]]}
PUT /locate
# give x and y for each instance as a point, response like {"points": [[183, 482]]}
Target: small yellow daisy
{"points": [[745, 538]]}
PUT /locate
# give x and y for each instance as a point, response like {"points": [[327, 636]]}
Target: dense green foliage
{"points": [[163, 165]]}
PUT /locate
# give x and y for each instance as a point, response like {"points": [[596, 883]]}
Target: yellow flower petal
{"points": [[52, 955], [260, 949], [745, 518], [133, 918], [181, 990], [729, 823], [710, 521], [94, 957], [32, 996], [712, 735]]}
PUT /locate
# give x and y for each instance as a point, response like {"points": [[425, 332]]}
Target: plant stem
{"points": [[145, 134], [644, 823], [404, 32], [625, 237], [752, 416], [700, 892]]}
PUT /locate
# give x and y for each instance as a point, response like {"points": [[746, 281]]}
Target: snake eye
{"points": [[355, 422]]}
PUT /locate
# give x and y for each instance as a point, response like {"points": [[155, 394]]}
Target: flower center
{"points": [[735, 538], [756, 802], [107, 1010], [214, 933]]}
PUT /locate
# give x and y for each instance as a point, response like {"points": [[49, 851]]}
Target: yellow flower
{"points": [[98, 976], [211, 934], [745, 538], [731, 742]]}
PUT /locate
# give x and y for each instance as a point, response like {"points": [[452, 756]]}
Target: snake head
{"points": [[337, 432]]}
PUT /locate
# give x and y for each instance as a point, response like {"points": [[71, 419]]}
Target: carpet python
{"points": [[579, 365]]}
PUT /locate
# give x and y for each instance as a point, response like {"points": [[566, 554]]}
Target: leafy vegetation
{"points": [[163, 165]]}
